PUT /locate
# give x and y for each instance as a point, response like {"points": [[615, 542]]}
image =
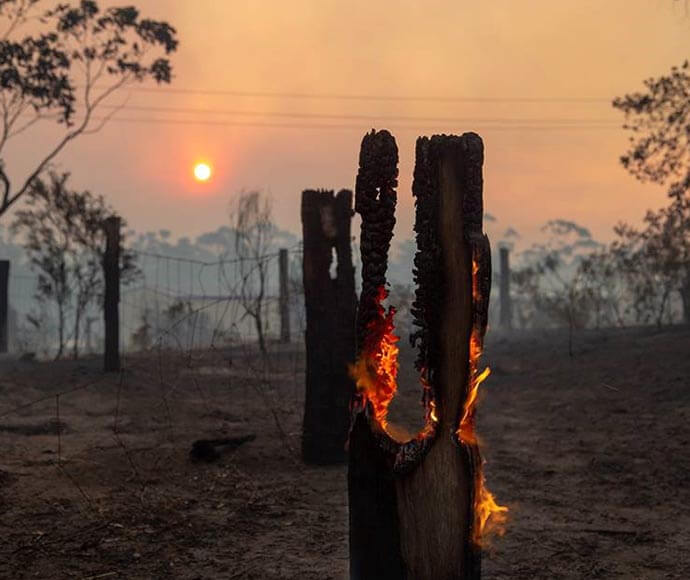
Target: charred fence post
{"points": [[4, 305], [111, 301], [284, 298], [414, 502], [506, 316], [330, 333]]}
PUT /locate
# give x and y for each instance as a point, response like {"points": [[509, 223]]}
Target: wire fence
{"points": [[172, 302]]}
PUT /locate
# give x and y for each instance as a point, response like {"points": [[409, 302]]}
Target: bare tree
{"points": [[80, 56], [252, 220]]}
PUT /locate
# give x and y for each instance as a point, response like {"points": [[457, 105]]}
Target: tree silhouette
{"points": [[659, 119], [80, 56], [660, 152]]}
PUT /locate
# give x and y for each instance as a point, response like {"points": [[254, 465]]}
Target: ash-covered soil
{"points": [[590, 452]]}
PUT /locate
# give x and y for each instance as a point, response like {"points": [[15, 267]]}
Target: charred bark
{"points": [[412, 502], [330, 334]]}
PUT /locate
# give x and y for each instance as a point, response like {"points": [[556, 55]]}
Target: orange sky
{"points": [[451, 48]]}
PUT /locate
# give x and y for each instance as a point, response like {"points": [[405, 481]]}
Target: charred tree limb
{"points": [[375, 198]]}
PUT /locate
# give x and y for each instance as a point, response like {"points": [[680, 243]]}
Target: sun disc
{"points": [[202, 171]]}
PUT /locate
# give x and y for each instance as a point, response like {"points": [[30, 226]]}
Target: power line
{"points": [[334, 126], [355, 97], [363, 117]]}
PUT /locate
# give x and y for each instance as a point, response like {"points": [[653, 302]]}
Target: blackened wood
{"points": [[506, 320], [111, 302], [431, 479], [374, 526], [375, 198], [330, 330], [4, 304], [284, 298], [373, 507]]}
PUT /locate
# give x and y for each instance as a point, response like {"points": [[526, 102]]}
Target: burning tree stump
{"points": [[418, 506], [330, 334]]}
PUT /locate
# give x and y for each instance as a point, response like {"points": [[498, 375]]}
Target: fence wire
{"points": [[173, 302]]}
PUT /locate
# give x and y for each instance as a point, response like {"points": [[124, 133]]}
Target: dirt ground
{"points": [[590, 452]]}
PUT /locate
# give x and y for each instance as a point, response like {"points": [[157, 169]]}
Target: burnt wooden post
{"points": [[412, 501], [330, 332], [284, 298], [4, 305], [111, 302], [506, 320]]}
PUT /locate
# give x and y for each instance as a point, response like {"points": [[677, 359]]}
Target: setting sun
{"points": [[202, 172]]}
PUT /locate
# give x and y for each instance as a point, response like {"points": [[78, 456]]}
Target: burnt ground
{"points": [[590, 452]]}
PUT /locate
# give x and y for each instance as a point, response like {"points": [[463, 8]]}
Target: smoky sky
{"points": [[543, 73]]}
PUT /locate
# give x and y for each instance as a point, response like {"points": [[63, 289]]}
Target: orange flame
{"points": [[466, 431], [490, 517], [376, 369], [376, 372], [430, 405]]}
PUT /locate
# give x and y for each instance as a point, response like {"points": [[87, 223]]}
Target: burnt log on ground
{"points": [[414, 502], [212, 449], [330, 304]]}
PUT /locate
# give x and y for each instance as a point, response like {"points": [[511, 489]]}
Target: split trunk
{"points": [[412, 503]]}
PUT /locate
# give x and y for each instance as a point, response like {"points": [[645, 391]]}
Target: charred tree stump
{"points": [[4, 305], [284, 298], [330, 333], [506, 320], [414, 503], [111, 301]]}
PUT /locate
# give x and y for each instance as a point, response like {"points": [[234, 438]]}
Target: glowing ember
{"points": [[376, 369], [430, 405]]}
